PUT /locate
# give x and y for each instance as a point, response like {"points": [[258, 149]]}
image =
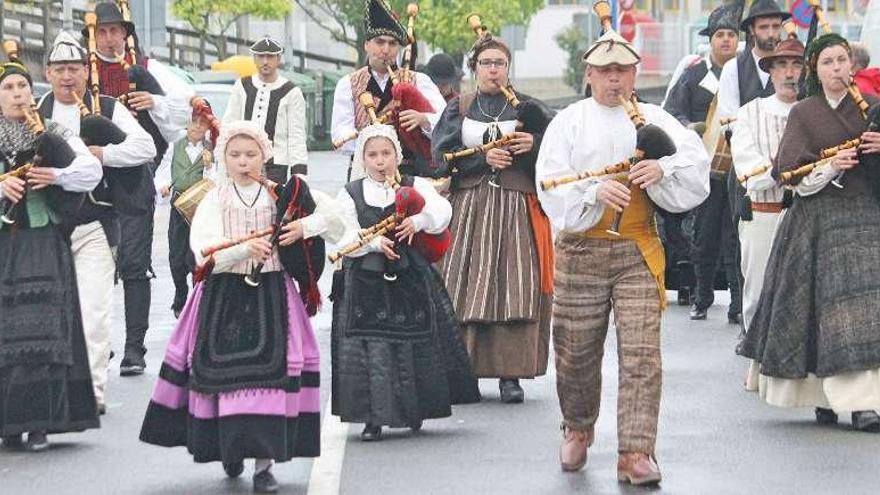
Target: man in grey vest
{"points": [[276, 104]]}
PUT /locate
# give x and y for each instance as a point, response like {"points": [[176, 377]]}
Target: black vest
{"points": [[371, 215], [275, 97], [749, 80]]}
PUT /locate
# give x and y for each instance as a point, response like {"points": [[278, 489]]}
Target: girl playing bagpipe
{"points": [[240, 375], [397, 355]]}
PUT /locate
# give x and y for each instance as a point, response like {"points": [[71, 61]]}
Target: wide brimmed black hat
{"points": [[109, 13], [442, 69], [380, 21], [723, 17], [763, 8]]}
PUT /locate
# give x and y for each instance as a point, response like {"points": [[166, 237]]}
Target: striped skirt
{"points": [[492, 274], [267, 423]]}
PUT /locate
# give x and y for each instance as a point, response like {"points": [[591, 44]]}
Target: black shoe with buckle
{"points": [[233, 469], [133, 362], [867, 421], [698, 313], [371, 433], [826, 416], [264, 482], [511, 392]]}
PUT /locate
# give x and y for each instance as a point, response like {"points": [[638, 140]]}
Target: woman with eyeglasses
{"points": [[45, 382], [499, 268]]}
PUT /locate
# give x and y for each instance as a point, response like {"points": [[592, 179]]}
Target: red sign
{"points": [[627, 26]]}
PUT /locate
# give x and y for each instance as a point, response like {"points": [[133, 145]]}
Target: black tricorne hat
{"points": [[267, 46], [380, 21], [721, 18], [109, 13], [763, 8], [442, 69]]}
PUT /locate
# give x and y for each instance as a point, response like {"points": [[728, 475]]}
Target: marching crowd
{"points": [[475, 229]]}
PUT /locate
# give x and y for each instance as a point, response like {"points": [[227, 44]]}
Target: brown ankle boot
{"points": [[637, 468], [573, 453]]}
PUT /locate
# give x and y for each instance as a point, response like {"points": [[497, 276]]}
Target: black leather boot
{"points": [[511, 392], [137, 321], [826, 416], [867, 421]]}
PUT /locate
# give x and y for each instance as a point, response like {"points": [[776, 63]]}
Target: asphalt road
{"points": [[714, 437]]}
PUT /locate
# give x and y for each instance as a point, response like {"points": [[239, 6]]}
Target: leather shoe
{"points": [[867, 421], [637, 468], [735, 319], [133, 362], [684, 296], [698, 313], [37, 441], [371, 433], [101, 408], [264, 482], [233, 469], [826, 416], [573, 452], [511, 392]]}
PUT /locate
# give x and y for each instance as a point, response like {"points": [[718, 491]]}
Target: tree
{"points": [[440, 23], [212, 19], [573, 42]]}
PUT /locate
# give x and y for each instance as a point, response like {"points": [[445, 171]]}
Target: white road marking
{"points": [[327, 469]]}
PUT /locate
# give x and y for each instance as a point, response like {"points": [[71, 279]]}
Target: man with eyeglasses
{"points": [[384, 37]]}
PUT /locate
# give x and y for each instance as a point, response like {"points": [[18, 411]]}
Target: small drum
{"points": [[721, 158], [189, 200]]}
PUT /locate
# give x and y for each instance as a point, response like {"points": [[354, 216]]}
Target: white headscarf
{"points": [[239, 128], [376, 130]]}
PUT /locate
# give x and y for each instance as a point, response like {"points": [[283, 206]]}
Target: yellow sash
{"points": [[638, 224]]}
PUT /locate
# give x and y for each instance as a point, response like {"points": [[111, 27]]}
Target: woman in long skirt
{"points": [[45, 383]]}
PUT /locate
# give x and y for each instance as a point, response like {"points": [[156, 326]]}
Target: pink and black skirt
{"points": [[240, 378]]}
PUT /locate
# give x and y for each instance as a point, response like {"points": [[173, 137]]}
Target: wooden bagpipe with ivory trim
{"points": [[531, 116], [303, 260], [48, 150], [139, 79], [407, 202]]}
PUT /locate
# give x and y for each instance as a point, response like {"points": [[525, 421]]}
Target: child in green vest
{"points": [[187, 162]]}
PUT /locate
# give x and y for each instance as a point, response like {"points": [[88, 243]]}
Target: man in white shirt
{"points": [[67, 72], [384, 37], [597, 271], [275, 103], [759, 126]]}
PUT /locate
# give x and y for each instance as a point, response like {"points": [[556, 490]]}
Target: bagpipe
{"points": [[652, 143], [49, 150], [406, 96], [872, 115], [530, 117], [369, 104], [94, 128], [303, 260], [407, 202]]}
